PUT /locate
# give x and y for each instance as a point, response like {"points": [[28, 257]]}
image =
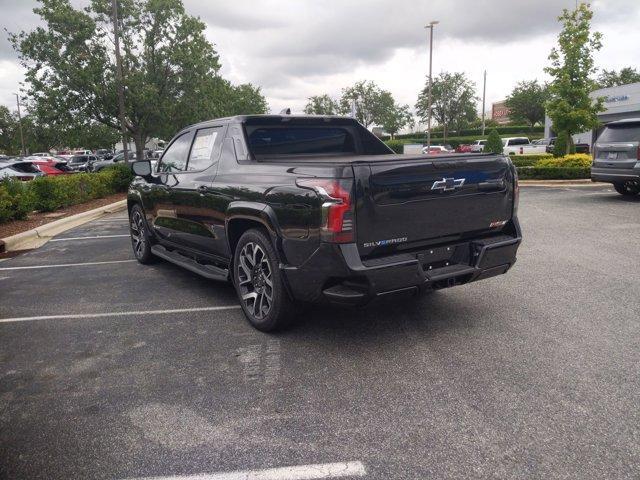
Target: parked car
{"points": [[81, 163], [463, 149], [50, 165], [435, 150], [270, 202], [478, 146], [104, 154], [19, 169], [82, 152], [521, 146], [40, 154], [616, 156], [550, 144]]}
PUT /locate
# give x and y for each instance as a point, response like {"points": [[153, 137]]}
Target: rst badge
{"points": [[447, 184]]}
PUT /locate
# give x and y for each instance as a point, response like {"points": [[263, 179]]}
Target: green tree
{"points": [[171, 71], [570, 107], [453, 103], [321, 105], [494, 143], [611, 78], [370, 101], [396, 118], [527, 102], [561, 145]]}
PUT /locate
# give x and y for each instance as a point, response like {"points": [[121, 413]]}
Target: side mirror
{"points": [[142, 168]]}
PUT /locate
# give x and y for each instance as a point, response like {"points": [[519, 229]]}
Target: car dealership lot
{"points": [[151, 371]]}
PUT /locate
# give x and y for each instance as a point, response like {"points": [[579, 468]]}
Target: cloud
{"points": [[294, 49]]}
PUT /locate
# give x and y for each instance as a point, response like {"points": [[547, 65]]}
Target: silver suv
{"points": [[616, 156]]}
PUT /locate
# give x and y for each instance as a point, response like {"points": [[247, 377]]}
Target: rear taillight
{"points": [[337, 224]]}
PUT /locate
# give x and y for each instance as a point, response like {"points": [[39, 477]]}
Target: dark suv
{"points": [[616, 156]]}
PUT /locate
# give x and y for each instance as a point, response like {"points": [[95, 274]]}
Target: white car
{"points": [[521, 146], [478, 146], [82, 152]]}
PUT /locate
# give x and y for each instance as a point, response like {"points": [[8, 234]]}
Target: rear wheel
{"points": [[627, 188], [259, 283], [140, 236]]}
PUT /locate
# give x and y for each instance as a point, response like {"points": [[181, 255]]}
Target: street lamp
{"points": [[430, 27]]}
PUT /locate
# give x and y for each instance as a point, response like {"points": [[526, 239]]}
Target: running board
{"points": [[208, 271]]}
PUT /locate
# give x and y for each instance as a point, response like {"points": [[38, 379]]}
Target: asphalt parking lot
{"points": [[114, 370]]}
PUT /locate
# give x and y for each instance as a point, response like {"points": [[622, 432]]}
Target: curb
{"points": [[36, 237]]}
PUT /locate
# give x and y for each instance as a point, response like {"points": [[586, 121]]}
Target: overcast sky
{"points": [[297, 48]]}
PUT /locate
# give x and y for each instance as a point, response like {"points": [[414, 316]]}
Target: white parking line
{"points": [[31, 267], [119, 314], [300, 472], [87, 238]]}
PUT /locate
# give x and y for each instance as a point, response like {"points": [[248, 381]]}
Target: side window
{"points": [[175, 157], [205, 149]]}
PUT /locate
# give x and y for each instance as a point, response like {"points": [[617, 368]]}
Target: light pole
{"points": [[119, 81], [24, 150], [430, 27], [484, 94]]}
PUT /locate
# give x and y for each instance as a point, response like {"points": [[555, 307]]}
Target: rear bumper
{"points": [[615, 175], [336, 274]]}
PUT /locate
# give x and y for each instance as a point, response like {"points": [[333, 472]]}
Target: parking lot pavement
{"points": [[529, 375]]}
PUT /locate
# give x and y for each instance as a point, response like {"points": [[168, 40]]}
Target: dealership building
{"points": [[619, 102]]}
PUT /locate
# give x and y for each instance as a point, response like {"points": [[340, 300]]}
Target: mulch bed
{"points": [[38, 219]]}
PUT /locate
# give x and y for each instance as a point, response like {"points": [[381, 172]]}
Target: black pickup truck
{"points": [[317, 209]]}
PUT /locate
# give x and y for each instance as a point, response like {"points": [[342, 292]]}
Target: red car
{"points": [[50, 165], [464, 149]]}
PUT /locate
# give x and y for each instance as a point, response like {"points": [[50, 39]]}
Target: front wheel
{"points": [[140, 236], [259, 283], [627, 189]]}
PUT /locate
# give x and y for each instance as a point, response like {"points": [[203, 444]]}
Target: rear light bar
{"points": [[337, 224]]}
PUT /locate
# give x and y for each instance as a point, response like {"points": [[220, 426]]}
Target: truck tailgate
{"points": [[413, 202]]}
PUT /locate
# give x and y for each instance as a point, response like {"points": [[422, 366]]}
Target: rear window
{"points": [[292, 140], [621, 133]]}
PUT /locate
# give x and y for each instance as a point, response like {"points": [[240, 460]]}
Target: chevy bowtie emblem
{"points": [[447, 184]]}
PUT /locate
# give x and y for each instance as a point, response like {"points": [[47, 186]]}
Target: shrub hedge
{"points": [[573, 166], [553, 173], [529, 160], [49, 193]]}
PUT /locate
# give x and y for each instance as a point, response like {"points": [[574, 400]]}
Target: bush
{"points": [[494, 143], [122, 175], [396, 145], [560, 147], [16, 200], [49, 193], [576, 160], [553, 173], [529, 160]]}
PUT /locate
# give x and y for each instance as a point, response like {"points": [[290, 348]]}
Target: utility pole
{"points": [[430, 27], [24, 150], [119, 81], [484, 95]]}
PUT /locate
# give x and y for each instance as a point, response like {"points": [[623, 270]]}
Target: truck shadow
{"points": [[423, 315]]}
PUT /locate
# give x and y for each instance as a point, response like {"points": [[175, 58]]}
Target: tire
{"points": [[626, 189], [140, 240], [259, 283]]}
